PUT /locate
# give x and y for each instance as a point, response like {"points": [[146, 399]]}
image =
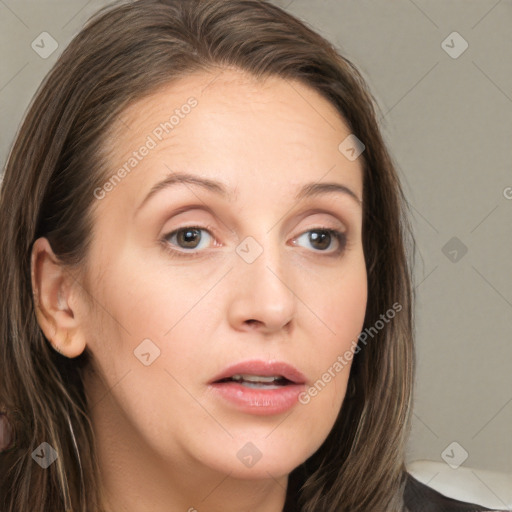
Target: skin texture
{"points": [[165, 440]]}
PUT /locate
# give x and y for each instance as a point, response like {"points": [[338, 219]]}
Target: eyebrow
{"points": [[308, 190]]}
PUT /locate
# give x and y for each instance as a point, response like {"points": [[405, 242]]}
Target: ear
{"points": [[56, 301]]}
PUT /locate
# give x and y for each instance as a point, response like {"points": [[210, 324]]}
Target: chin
{"points": [[252, 457], [261, 470]]}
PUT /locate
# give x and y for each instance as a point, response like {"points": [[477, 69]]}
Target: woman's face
{"points": [[256, 283]]}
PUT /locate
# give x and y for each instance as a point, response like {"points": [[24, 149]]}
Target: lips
{"points": [[258, 387], [281, 373]]}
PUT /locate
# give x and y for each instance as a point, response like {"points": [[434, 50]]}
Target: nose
{"points": [[262, 296]]}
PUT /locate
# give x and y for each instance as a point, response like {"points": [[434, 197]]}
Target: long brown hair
{"points": [[124, 53]]}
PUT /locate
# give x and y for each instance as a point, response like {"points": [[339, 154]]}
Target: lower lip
{"points": [[262, 402]]}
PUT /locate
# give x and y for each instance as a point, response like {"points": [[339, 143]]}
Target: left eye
{"points": [[321, 238]]}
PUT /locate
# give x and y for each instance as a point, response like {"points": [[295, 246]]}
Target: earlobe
{"points": [[52, 287], [68, 345]]}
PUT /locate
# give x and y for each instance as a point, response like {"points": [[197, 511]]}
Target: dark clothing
{"points": [[419, 497]]}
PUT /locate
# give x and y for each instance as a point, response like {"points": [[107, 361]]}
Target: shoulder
{"points": [[418, 497]]}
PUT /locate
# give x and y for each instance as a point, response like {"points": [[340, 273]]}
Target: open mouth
{"points": [[259, 387], [258, 381]]}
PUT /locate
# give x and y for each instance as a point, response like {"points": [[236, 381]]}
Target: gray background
{"points": [[448, 123]]}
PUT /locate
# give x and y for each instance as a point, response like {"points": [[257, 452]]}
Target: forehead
{"points": [[240, 129]]}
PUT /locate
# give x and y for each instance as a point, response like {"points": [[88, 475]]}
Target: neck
{"points": [[136, 484]]}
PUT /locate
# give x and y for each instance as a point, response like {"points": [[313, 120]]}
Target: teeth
{"points": [[259, 385], [256, 378]]}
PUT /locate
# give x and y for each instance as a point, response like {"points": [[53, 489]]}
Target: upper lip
{"points": [[263, 368]]}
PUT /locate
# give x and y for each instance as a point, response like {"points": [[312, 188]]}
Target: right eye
{"points": [[188, 238]]}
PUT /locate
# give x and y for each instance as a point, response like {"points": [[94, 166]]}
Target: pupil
{"points": [[323, 236], [188, 236]]}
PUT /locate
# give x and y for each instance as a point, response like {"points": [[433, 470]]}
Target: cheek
{"points": [[342, 309], [154, 318], [346, 304], [146, 342]]}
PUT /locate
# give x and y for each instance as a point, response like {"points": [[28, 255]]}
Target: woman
{"points": [[205, 263]]}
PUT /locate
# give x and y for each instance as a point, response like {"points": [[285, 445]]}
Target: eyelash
{"points": [[339, 236]]}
